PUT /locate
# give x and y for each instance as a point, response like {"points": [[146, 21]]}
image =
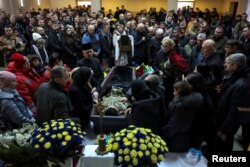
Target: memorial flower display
{"points": [[142, 69], [58, 140], [137, 147]]}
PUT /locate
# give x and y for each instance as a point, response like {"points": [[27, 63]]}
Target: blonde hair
{"points": [[168, 41]]}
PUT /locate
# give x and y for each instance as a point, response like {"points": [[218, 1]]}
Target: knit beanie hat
{"points": [[18, 59], [6, 78], [36, 36]]}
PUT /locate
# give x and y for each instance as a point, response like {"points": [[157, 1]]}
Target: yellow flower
{"points": [[74, 128], [47, 134], [135, 161], [163, 142], [153, 140], [153, 158], [150, 145], [120, 151], [117, 138], [65, 133], [38, 136], [154, 150], [134, 140], [140, 154], [59, 135], [134, 145], [64, 143], [122, 134], [127, 143], [109, 148], [68, 138], [147, 153], [157, 145], [53, 136], [120, 159], [142, 141], [126, 151], [133, 154], [37, 146], [143, 147], [161, 157], [47, 145], [72, 123], [60, 127], [115, 146], [117, 134], [41, 139], [122, 131], [55, 128], [166, 149], [127, 158], [61, 123], [130, 136], [148, 130]]}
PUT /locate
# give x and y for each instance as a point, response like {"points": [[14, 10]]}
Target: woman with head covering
{"points": [[147, 107], [81, 95], [13, 111], [27, 80]]}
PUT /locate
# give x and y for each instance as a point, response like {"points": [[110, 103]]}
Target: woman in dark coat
{"points": [[81, 96], [182, 109]]}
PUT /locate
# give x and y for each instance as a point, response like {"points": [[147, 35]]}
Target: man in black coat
{"points": [[51, 99], [235, 66], [54, 41], [89, 61]]}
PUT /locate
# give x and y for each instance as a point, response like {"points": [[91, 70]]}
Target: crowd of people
{"points": [[197, 96]]}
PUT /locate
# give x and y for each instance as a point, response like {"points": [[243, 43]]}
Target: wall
{"points": [[6, 5], [62, 3], [134, 5], [241, 6], [210, 4]]}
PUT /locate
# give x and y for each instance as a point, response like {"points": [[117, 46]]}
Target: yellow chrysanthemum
{"points": [[135, 161], [127, 143], [154, 150], [41, 139], [153, 158], [133, 154], [37, 146], [117, 134], [60, 127], [166, 149], [147, 153], [134, 140], [142, 141], [127, 158], [153, 140], [65, 133], [120, 151], [135, 131], [68, 138], [123, 131], [47, 145], [64, 143], [118, 138], [130, 136], [72, 123], [74, 129], [38, 136], [140, 154], [59, 135], [53, 136], [126, 151], [161, 157], [134, 145], [157, 145], [109, 148], [125, 139], [163, 142], [143, 147], [47, 134], [115, 146], [148, 130], [55, 128], [120, 159], [150, 145]]}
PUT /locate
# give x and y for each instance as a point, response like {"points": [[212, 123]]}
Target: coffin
{"points": [[119, 76]]}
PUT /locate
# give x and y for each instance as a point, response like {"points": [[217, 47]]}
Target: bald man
{"points": [[141, 42]]}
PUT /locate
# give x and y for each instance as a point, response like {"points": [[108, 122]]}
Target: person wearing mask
{"points": [[14, 113], [51, 99]]}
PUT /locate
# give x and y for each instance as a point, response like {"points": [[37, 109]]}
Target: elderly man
{"points": [[212, 59], [89, 61], [227, 124], [52, 101]]}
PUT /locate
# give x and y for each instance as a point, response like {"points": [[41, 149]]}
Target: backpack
{"points": [[125, 44]]}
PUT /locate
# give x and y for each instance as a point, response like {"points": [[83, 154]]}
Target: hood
{"points": [[6, 95]]}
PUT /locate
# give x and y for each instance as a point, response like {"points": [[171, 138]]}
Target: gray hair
{"points": [[57, 72], [238, 58], [168, 41], [201, 36], [210, 43]]}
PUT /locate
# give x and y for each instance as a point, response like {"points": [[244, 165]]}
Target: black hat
{"points": [[86, 46]]}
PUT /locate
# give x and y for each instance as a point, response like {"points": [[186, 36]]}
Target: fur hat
{"points": [[36, 36], [18, 59]]}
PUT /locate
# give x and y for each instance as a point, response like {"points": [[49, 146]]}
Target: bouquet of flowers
{"points": [[176, 63], [15, 147], [137, 147], [58, 140], [142, 69]]}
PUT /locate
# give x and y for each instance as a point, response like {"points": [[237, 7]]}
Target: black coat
{"points": [[182, 111], [146, 113], [52, 102], [95, 65], [82, 103], [54, 42]]}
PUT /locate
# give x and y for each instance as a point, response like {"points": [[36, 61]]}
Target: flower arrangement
{"points": [[58, 140], [175, 64], [137, 147], [15, 147], [142, 69]]}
